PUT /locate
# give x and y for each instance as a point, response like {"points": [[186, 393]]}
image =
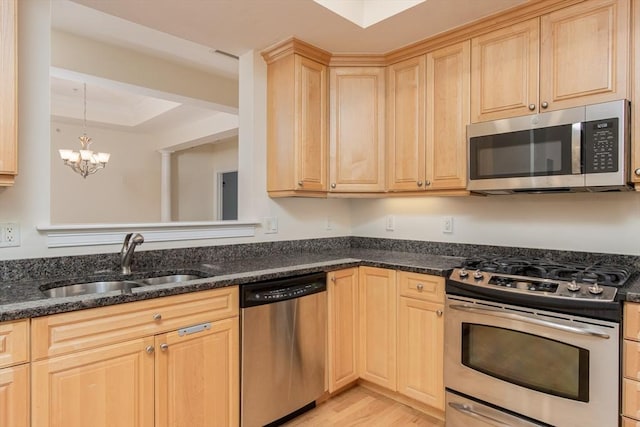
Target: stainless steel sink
{"points": [[172, 278], [125, 286], [91, 288]]}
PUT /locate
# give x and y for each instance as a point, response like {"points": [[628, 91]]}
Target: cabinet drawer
{"points": [[631, 359], [84, 329], [421, 286], [630, 398], [631, 325], [14, 343]]}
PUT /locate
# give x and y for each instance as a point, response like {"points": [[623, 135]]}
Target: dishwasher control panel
{"points": [[282, 290]]}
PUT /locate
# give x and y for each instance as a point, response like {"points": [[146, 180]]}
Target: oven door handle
{"points": [[465, 409], [582, 330]]}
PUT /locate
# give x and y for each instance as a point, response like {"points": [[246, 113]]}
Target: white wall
{"points": [[195, 179], [607, 222], [123, 192]]}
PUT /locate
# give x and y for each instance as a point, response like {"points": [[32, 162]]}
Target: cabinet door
{"points": [[109, 386], [448, 71], [296, 126], [504, 72], [406, 125], [357, 101], [378, 297], [8, 93], [311, 114], [420, 351], [197, 377], [583, 54], [14, 396], [342, 295]]}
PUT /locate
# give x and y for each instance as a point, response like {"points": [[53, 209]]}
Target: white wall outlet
{"points": [[391, 223], [328, 225], [447, 224], [9, 234], [270, 225]]}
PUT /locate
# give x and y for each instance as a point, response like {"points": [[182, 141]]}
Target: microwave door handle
{"points": [[465, 409], [581, 330], [576, 148]]}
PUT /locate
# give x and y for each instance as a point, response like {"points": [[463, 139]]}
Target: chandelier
{"points": [[84, 162]]}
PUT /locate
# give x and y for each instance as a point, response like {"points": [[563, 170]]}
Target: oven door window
{"points": [[527, 360], [527, 153]]}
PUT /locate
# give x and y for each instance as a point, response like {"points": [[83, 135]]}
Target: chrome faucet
{"points": [[126, 253]]}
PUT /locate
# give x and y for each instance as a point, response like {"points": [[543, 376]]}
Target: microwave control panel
{"points": [[601, 146]]}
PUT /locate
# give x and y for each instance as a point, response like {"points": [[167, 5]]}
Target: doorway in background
{"points": [[228, 195]]}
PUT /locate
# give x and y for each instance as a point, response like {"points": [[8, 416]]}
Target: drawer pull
{"points": [[194, 329], [164, 346], [149, 349], [420, 287], [439, 313], [157, 316]]}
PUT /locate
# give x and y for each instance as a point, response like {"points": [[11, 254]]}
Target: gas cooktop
{"points": [[543, 277]]}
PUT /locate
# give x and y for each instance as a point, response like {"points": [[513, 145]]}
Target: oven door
{"points": [[561, 370], [540, 151]]}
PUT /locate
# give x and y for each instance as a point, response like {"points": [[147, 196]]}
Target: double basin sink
{"points": [[124, 285]]}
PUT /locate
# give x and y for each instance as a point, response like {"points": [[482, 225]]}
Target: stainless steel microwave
{"points": [[577, 149]]}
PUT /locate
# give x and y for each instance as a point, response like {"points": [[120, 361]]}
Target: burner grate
{"points": [[609, 275]]}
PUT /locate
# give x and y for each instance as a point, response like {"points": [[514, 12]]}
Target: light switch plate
{"points": [[270, 225], [447, 224]]}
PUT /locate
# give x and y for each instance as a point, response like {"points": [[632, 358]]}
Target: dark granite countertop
{"points": [[24, 298]]}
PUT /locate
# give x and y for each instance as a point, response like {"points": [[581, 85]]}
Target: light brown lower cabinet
{"points": [[377, 355], [420, 351], [631, 365], [14, 396], [342, 297], [168, 376], [400, 343]]}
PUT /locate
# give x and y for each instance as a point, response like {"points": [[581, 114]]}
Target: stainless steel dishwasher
{"points": [[284, 334]]}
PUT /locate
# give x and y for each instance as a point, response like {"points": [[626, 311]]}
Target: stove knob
{"points": [[595, 289], [463, 274], [573, 286], [478, 275]]}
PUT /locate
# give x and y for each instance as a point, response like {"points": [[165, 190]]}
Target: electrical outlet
{"points": [[391, 223], [270, 225], [447, 224], [9, 234], [328, 225]]}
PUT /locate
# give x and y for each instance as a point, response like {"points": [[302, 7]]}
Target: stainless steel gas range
{"points": [[532, 342]]}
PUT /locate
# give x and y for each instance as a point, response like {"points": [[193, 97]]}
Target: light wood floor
{"points": [[361, 407]]}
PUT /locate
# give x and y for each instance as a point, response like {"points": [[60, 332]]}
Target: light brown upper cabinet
{"points": [[406, 93], [573, 56], [427, 115], [356, 135], [296, 120], [448, 71], [8, 93]]}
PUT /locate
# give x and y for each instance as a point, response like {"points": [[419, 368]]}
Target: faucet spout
{"points": [[126, 253]]}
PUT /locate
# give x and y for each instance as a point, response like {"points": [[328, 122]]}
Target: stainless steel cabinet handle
{"points": [[419, 183], [157, 316], [581, 330], [439, 313], [545, 104], [427, 182], [300, 183], [333, 185], [467, 410], [164, 346], [420, 287], [149, 349], [532, 107], [637, 172], [333, 279]]}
